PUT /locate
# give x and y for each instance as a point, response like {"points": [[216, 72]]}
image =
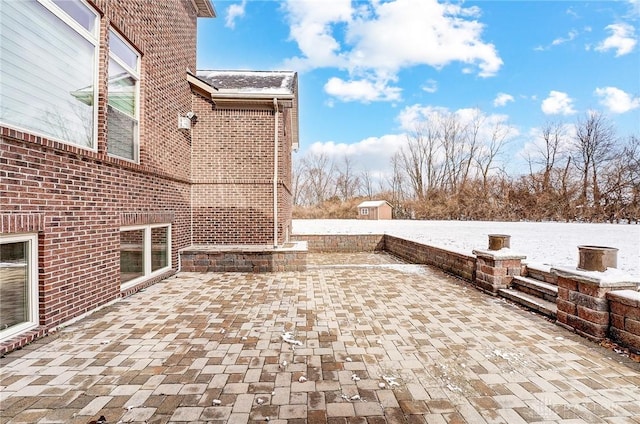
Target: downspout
{"points": [[275, 174]]}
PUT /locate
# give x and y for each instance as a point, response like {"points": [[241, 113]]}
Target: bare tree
{"points": [[490, 149], [347, 181], [397, 185], [298, 182], [456, 154], [422, 158], [549, 152], [473, 135], [631, 153], [621, 184], [413, 160], [367, 183], [313, 179], [595, 141]]}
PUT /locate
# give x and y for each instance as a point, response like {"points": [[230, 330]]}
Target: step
{"points": [[535, 287], [530, 301]]}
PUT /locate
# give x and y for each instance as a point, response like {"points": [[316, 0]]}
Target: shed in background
{"points": [[375, 209]]}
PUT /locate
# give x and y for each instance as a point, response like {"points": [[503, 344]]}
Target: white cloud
{"points": [[430, 86], [616, 100], [373, 153], [558, 103], [561, 40], [411, 117], [571, 35], [622, 39], [374, 40], [635, 8], [571, 12], [233, 12], [362, 90], [502, 99], [432, 33], [311, 27]]}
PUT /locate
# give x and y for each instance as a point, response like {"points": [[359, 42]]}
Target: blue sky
{"points": [[368, 70]]}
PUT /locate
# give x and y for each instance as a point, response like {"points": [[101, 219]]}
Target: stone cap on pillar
{"points": [[502, 254], [610, 278]]}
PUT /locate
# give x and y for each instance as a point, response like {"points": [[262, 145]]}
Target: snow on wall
{"points": [[548, 243]]}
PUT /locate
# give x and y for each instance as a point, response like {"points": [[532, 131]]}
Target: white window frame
{"points": [[93, 38], [147, 253], [32, 282], [135, 73], [364, 211]]}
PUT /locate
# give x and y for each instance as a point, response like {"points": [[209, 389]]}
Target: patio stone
{"points": [[380, 341]]}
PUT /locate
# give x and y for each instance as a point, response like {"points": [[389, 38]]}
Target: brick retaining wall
{"points": [[582, 301], [347, 243], [234, 258], [592, 308], [458, 264], [454, 263], [625, 318]]}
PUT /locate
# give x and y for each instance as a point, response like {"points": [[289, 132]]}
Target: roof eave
{"points": [[204, 8], [239, 95], [263, 98], [216, 94]]}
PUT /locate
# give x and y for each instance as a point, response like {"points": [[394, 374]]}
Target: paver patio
{"points": [[380, 342]]}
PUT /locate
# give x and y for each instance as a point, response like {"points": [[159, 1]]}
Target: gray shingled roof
{"points": [[250, 82]]}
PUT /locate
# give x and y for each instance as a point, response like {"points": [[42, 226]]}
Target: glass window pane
{"points": [[159, 245], [122, 50], [14, 284], [86, 17], [122, 89], [122, 122], [131, 255], [122, 130], [47, 83]]}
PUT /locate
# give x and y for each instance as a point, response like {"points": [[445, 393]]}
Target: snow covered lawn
{"points": [[550, 243]]}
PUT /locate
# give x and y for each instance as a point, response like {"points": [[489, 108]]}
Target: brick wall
{"points": [[291, 257], [165, 34], [625, 318], [346, 243], [454, 263], [582, 301], [232, 165], [76, 199]]}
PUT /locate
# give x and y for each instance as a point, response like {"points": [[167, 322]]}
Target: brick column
{"points": [[495, 269], [582, 299]]}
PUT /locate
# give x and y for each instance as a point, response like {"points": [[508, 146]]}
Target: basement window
{"points": [[144, 252], [18, 284]]}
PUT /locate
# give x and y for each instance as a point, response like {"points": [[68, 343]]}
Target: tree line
{"points": [[450, 168]]}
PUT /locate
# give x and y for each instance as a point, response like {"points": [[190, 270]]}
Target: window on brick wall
{"points": [[48, 63], [18, 284], [123, 94], [144, 252]]}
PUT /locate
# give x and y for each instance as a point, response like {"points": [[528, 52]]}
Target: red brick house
{"points": [[242, 154], [111, 157]]}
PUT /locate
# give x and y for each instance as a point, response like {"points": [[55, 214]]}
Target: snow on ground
{"points": [[548, 243]]}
